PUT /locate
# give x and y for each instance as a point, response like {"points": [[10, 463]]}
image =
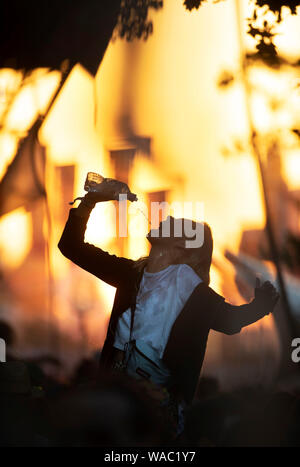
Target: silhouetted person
{"points": [[8, 335], [111, 412], [164, 308]]}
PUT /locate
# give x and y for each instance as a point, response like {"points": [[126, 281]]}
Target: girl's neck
{"points": [[159, 259]]}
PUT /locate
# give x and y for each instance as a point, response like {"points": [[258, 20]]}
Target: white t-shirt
{"points": [[160, 299]]}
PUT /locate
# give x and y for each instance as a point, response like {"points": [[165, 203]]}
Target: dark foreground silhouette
{"points": [[118, 412]]}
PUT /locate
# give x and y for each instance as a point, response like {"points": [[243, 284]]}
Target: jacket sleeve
{"points": [[230, 319], [111, 269]]}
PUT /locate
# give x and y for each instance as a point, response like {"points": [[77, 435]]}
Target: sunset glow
{"points": [[164, 91]]}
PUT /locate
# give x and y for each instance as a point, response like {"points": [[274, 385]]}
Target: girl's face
{"points": [[168, 231], [174, 231]]}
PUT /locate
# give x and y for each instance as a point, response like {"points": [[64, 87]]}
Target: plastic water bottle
{"points": [[92, 181], [95, 183]]}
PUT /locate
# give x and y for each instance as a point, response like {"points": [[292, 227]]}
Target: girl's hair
{"points": [[200, 258]]}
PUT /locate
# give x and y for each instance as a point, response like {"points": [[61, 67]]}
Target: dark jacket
{"points": [[204, 310]]}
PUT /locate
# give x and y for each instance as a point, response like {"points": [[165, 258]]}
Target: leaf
{"points": [[276, 6], [296, 132], [226, 78], [253, 31], [191, 4], [133, 18], [267, 53]]}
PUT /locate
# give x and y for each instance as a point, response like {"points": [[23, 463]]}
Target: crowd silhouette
{"points": [[88, 410]]}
